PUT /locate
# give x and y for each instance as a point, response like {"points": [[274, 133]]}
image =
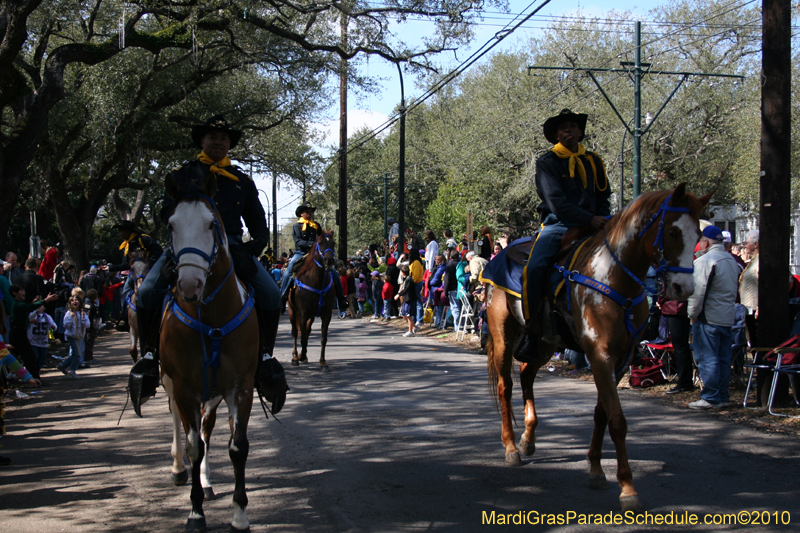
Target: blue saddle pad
{"points": [[504, 274]]}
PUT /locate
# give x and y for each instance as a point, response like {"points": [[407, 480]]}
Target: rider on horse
{"points": [[573, 186], [305, 232], [236, 199], [133, 240]]}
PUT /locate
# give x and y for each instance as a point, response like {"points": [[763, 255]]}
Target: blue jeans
{"points": [[546, 246], [386, 309], [438, 314], [75, 354], [455, 306], [287, 274], [128, 288], [420, 311], [41, 355], [712, 351]]}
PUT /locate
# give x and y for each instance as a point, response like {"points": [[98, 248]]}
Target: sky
{"points": [[373, 110]]}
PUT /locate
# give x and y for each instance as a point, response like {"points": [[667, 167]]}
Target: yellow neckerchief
{"points": [[216, 166], [307, 223], [125, 245], [574, 161]]}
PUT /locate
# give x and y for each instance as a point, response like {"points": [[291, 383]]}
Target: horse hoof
{"points": [[326, 369], [598, 481], [180, 479], [208, 493], [513, 459], [295, 362], [235, 530], [304, 361], [527, 448], [196, 525], [631, 503]]}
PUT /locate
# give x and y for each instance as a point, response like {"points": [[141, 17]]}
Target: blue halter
{"points": [[659, 242], [325, 287], [214, 334]]}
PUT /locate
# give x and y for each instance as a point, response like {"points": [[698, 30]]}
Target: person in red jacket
{"points": [[51, 259], [386, 294]]}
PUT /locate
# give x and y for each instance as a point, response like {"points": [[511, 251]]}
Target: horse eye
{"points": [[211, 227], [674, 233]]}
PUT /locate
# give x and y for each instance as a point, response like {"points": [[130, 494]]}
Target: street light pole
{"points": [[401, 185]]}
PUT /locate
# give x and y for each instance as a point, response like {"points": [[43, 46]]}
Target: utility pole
{"points": [[401, 193], [342, 218], [638, 71], [385, 206], [275, 249], [775, 187]]}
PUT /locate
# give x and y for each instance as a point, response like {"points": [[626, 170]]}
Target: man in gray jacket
{"points": [[712, 311]]}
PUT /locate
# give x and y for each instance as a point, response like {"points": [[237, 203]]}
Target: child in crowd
{"points": [[351, 293], [76, 321], [387, 293], [361, 294], [407, 293], [377, 299], [38, 333], [95, 324], [344, 279]]}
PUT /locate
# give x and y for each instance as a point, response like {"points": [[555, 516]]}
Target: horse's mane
{"points": [[308, 263], [631, 220]]}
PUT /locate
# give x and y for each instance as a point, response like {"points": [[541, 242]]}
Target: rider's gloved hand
{"points": [[254, 247], [169, 270]]}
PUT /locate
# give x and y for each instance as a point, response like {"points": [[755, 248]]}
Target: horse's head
{"points": [[196, 234], [326, 247], [671, 238], [139, 266]]}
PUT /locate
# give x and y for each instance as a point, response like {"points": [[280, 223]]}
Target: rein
{"points": [[628, 304]]}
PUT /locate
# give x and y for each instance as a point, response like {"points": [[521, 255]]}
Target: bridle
{"points": [[319, 251]]}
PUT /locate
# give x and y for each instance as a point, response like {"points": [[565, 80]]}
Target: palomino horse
{"points": [[312, 295], [139, 268], [658, 228], [209, 343]]}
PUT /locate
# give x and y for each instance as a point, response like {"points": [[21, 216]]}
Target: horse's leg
{"points": [[527, 442], [500, 363], [133, 331], [603, 370], [597, 478], [294, 319], [179, 474], [208, 421], [239, 405], [305, 331], [190, 415], [325, 320]]}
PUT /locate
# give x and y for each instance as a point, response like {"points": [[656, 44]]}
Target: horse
{"points": [[209, 342], [139, 268], [312, 295], [659, 228]]}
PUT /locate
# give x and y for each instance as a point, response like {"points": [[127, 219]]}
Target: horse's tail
{"points": [[492, 371]]}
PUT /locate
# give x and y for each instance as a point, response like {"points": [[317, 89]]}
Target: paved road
{"points": [[401, 436]]}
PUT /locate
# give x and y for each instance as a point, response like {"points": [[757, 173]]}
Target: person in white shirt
{"points": [[38, 333]]}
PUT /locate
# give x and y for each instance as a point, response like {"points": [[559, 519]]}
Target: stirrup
{"points": [[271, 381], [143, 381]]}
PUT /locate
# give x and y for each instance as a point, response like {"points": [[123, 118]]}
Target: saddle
{"points": [[299, 264], [520, 252]]}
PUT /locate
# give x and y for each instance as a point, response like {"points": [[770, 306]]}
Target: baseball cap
{"points": [[726, 236], [713, 233], [374, 273]]}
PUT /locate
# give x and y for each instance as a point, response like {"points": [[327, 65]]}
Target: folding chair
{"points": [[467, 315], [785, 363], [664, 352]]}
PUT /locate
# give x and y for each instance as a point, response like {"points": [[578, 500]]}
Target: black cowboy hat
{"points": [[552, 123], [217, 122], [306, 206], [127, 225]]}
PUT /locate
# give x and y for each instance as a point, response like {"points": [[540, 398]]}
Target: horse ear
{"points": [[678, 193], [171, 186], [707, 198], [210, 185]]}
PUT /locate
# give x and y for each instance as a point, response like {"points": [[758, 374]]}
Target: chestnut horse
{"points": [[139, 268], [312, 295], [209, 344], [658, 228]]}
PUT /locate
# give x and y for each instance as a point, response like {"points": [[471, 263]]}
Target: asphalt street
{"points": [[401, 436]]}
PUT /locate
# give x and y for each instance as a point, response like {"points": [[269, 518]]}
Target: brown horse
{"points": [[209, 343], [659, 228], [312, 295], [139, 268]]}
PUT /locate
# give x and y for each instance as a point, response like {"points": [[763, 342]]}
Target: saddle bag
{"points": [[647, 372]]}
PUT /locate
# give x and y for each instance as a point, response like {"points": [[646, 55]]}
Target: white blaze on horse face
{"points": [[191, 228], [683, 281]]}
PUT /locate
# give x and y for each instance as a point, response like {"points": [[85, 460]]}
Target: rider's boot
{"points": [[270, 377], [529, 350], [122, 323], [144, 376]]}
